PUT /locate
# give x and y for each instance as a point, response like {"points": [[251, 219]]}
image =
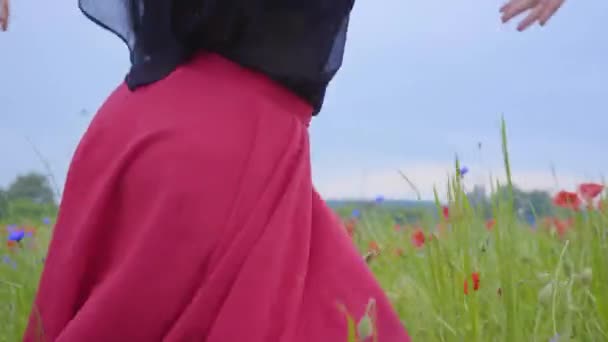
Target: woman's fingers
{"points": [[532, 17], [539, 11], [4, 10], [549, 10], [515, 7]]}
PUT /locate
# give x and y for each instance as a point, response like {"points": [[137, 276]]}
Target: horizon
{"points": [[421, 83]]}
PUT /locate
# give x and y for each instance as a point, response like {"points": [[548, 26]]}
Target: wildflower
{"points": [[16, 235], [490, 224], [567, 199], [463, 171], [589, 191], [11, 244], [46, 221], [562, 226], [29, 231], [475, 278], [7, 260], [418, 238], [350, 226], [373, 247], [446, 212], [356, 213], [379, 199]]}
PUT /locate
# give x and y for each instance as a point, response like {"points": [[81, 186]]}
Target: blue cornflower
{"points": [[16, 235], [356, 213], [379, 199], [463, 171], [7, 260], [46, 221]]}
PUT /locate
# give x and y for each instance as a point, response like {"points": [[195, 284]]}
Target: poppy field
{"points": [[456, 274]]}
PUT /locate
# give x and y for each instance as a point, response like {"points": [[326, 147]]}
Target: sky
{"points": [[422, 82]]}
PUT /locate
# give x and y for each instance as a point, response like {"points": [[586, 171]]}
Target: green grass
{"points": [[534, 284]]}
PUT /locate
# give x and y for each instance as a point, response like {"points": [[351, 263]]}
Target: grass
{"points": [[534, 284]]}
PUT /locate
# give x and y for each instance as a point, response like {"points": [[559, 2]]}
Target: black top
{"points": [[299, 43]]}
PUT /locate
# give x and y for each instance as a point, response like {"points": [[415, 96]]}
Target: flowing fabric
{"points": [[189, 215], [299, 43]]}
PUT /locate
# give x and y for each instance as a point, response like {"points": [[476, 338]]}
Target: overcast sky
{"points": [[422, 81]]}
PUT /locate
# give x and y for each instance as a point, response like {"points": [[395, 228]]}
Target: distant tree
{"points": [[25, 209], [527, 204], [3, 204], [480, 201], [33, 187]]}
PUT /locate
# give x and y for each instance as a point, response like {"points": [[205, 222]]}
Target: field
{"points": [[453, 275]]}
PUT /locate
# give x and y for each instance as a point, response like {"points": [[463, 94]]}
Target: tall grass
{"points": [[533, 284]]}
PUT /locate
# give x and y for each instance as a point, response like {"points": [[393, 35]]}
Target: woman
{"points": [[189, 212]]}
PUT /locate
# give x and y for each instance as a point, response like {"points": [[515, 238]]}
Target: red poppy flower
{"points": [[589, 191], [11, 244], [418, 238], [490, 224], [567, 199], [475, 278], [546, 222], [350, 227], [373, 247], [562, 226], [446, 212]]}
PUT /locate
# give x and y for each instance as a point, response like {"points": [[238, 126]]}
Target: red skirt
{"points": [[189, 214]]}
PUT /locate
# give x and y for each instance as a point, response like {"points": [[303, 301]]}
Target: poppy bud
{"points": [[364, 327], [545, 294], [586, 276]]}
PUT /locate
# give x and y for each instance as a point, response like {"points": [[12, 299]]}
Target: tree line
{"points": [[29, 196]]}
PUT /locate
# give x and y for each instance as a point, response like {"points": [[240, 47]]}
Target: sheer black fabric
{"points": [[299, 43]]}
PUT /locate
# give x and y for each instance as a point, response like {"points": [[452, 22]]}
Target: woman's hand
{"points": [[4, 11], [538, 10]]}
